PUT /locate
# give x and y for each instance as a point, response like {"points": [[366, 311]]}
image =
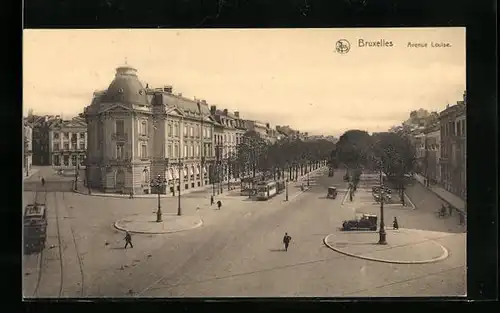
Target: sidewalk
{"points": [[207, 188], [455, 201], [30, 173]]}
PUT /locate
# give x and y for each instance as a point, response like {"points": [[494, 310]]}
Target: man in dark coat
{"points": [[395, 224], [211, 200], [219, 204], [286, 241], [128, 240]]}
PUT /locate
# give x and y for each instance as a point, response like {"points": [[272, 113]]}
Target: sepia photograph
{"points": [[207, 163]]}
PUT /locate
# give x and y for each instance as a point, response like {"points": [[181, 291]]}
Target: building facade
{"points": [[258, 127], [68, 143], [136, 134], [453, 149], [432, 154], [227, 142], [27, 147], [420, 151], [41, 144]]}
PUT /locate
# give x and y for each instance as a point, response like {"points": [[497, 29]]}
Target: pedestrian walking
{"points": [[211, 200], [395, 224], [450, 210], [219, 204], [43, 181], [131, 195], [128, 240], [286, 241]]}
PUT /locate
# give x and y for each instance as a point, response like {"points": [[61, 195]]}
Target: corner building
{"points": [[136, 133]]}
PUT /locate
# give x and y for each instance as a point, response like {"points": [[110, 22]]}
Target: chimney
{"points": [[225, 112], [267, 125], [168, 88], [204, 102], [213, 108], [237, 114]]}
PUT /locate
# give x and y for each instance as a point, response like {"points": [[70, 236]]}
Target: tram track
{"points": [[78, 256], [40, 272], [61, 260]]}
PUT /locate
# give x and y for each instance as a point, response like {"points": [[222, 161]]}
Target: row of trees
{"points": [[256, 155], [390, 152]]}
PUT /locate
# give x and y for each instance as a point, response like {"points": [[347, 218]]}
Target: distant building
{"points": [[453, 148], [27, 147], [68, 143], [227, 134], [41, 144], [258, 127]]}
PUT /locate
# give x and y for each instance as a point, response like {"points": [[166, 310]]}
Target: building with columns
{"points": [[136, 133], [68, 143]]}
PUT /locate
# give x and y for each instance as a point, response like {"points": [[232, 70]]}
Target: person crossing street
{"points": [[128, 240], [286, 241]]}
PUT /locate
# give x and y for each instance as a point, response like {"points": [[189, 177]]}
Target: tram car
{"points": [[35, 226], [280, 186], [266, 190]]}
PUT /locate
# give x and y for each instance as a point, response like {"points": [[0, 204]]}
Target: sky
{"points": [[282, 76]]}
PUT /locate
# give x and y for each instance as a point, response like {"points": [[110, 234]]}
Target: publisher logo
{"points": [[342, 46]]}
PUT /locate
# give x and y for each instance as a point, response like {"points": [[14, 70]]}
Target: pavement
{"points": [[238, 251], [406, 246], [458, 203]]}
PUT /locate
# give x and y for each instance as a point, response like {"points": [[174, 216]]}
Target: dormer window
{"points": [[120, 90]]}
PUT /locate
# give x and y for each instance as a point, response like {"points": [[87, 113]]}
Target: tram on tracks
{"points": [[266, 190], [35, 227]]}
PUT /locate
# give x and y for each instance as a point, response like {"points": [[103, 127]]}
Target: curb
{"points": [[442, 257], [199, 224]]}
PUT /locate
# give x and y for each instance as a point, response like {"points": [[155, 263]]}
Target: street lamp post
{"points": [[179, 193], [158, 183], [286, 190], [382, 234]]}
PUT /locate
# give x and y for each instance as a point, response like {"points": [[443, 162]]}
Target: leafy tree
{"points": [[396, 155], [353, 148]]}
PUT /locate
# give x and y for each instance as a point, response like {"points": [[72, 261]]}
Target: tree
{"points": [[353, 148], [396, 155]]}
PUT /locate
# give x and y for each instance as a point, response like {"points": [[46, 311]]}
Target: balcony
{"points": [[119, 137]]}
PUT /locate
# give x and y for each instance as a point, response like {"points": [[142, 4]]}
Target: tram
{"points": [[35, 226], [266, 190]]}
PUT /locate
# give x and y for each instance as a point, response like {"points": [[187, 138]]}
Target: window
{"points": [[57, 160], [191, 131], [66, 135], [170, 151], [144, 151], [144, 128], [197, 151], [66, 160], [185, 130], [82, 159], [82, 135], [176, 151], [56, 146], [73, 160], [119, 152], [82, 145], [169, 130], [185, 151], [176, 129], [66, 146], [120, 127], [191, 151], [56, 135]]}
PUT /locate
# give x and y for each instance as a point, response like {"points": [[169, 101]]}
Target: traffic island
{"points": [[146, 224], [404, 246]]}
